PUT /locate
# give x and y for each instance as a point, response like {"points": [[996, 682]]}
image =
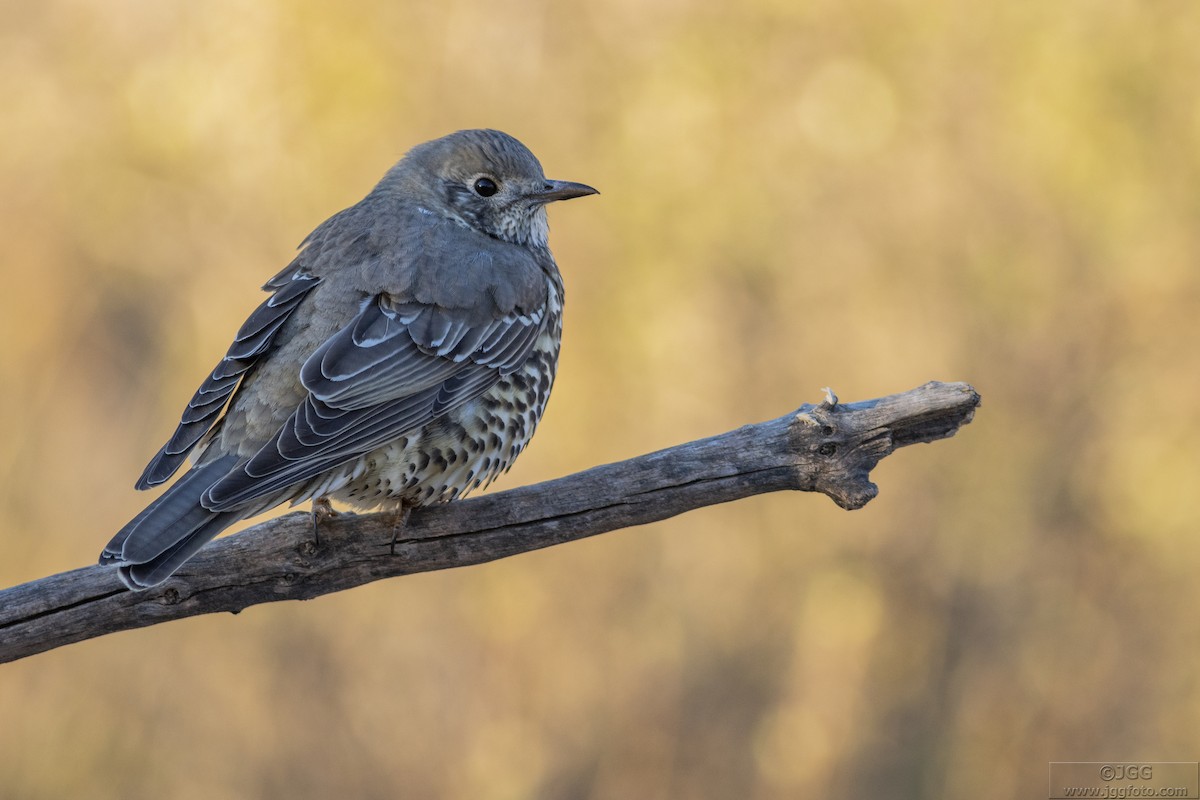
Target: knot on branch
{"points": [[837, 445]]}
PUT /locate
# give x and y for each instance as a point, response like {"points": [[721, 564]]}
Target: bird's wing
{"points": [[253, 340], [396, 366]]}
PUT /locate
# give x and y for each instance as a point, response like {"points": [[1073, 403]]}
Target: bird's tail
{"points": [[170, 530]]}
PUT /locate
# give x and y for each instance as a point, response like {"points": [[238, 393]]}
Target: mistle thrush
{"points": [[403, 358]]}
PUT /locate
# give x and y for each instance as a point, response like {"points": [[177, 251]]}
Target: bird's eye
{"points": [[486, 187]]}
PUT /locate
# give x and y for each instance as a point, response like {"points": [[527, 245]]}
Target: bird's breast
{"points": [[464, 449]]}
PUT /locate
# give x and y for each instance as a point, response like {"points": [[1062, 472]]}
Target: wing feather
{"points": [[252, 341], [390, 371]]}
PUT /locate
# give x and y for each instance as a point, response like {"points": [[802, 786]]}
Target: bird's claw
{"points": [[322, 510], [399, 522]]}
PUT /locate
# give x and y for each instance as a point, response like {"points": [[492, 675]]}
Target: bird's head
{"points": [[489, 181]]}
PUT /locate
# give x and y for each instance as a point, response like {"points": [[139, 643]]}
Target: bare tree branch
{"points": [[828, 448]]}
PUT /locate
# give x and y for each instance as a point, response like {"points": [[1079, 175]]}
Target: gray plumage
{"points": [[404, 357]]}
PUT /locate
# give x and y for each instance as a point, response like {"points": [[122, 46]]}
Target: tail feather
{"points": [[145, 574], [170, 530]]}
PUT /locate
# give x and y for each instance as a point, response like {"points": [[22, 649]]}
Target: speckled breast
{"points": [[462, 450]]}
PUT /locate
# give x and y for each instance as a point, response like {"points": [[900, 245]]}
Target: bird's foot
{"points": [[322, 510], [399, 522]]}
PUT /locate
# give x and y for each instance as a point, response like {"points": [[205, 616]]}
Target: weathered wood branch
{"points": [[829, 448]]}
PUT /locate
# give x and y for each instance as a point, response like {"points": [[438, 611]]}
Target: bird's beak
{"points": [[563, 190]]}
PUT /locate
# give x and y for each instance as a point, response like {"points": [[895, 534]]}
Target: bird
{"points": [[403, 358]]}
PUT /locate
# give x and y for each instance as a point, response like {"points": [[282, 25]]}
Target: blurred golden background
{"points": [[865, 195]]}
